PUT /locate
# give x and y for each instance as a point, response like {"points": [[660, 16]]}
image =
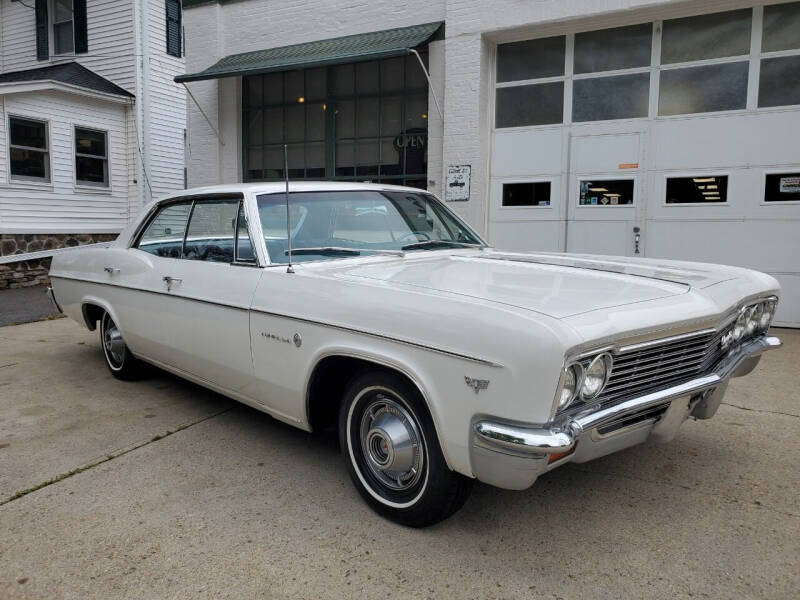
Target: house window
{"points": [[29, 155], [782, 187], [533, 193], [63, 27], [606, 192], [698, 189], [91, 157], [174, 28]]}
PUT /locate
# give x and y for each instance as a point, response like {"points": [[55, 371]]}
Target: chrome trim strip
{"points": [[666, 340], [373, 334], [551, 438], [52, 295]]}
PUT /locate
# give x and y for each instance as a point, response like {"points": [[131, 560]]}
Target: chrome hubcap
{"points": [[391, 442], [113, 344]]}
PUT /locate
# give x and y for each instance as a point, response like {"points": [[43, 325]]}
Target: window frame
{"points": [[764, 174], [48, 178], [634, 200], [692, 175], [505, 182], [52, 28], [80, 183]]}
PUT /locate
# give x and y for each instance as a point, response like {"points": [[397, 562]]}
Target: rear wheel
{"points": [[393, 454], [119, 360]]}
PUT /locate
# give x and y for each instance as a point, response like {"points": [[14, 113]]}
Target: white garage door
{"points": [[658, 145]]}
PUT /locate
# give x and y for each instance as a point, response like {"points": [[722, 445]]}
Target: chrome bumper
{"points": [[511, 445]]}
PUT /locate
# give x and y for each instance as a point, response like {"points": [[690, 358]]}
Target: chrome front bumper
{"points": [[512, 456]]}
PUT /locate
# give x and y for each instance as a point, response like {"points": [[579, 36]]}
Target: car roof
{"points": [[274, 187]]}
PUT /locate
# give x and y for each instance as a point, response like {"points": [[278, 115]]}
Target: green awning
{"points": [[350, 48]]}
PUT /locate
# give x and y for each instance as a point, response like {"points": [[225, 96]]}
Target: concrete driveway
{"points": [[160, 489]]}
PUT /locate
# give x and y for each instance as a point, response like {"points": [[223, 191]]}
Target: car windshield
{"points": [[338, 224]]}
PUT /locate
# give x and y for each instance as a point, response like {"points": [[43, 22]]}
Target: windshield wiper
{"points": [[434, 244], [341, 251]]}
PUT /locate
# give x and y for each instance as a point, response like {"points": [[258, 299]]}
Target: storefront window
{"points": [[606, 192], [362, 121]]}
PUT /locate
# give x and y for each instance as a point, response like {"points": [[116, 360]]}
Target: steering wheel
{"points": [[408, 234]]}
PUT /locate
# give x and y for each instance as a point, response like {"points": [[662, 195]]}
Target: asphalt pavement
{"points": [[161, 489], [25, 305]]}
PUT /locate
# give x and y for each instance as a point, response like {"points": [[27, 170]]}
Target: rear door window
{"points": [[164, 235]]}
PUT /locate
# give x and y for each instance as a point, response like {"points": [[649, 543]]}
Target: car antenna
{"points": [[289, 268]]}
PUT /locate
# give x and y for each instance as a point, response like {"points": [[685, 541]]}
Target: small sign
{"points": [[628, 165], [789, 185], [457, 184]]}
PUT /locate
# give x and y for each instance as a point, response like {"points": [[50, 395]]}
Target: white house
{"points": [[655, 128], [92, 124]]}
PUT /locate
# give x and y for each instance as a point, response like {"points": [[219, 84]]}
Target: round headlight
{"points": [[595, 376], [768, 311], [753, 318], [739, 326], [569, 387]]}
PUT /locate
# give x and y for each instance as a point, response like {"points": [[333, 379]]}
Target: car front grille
{"points": [[656, 366]]}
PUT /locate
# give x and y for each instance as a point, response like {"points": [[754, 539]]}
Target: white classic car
{"points": [[439, 359]]}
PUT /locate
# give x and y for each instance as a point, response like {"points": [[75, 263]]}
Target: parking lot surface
{"points": [[161, 489]]}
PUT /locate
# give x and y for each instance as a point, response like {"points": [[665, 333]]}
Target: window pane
{"points": [[211, 229], [703, 89], [255, 127], [706, 36], [779, 83], [90, 142], [781, 27], [606, 193], [345, 159], [315, 122], [367, 78], [273, 125], [164, 235], [702, 188], [295, 155], [273, 162], [255, 158], [526, 194], [391, 157], [90, 170], [538, 104], [244, 246], [531, 59], [253, 91], [367, 117], [293, 86], [273, 88], [344, 119], [295, 123], [28, 163], [316, 84], [782, 187], [315, 160], [416, 113], [367, 152], [342, 80], [392, 75], [601, 98], [28, 133], [63, 39], [62, 10], [610, 49], [415, 78], [391, 117]]}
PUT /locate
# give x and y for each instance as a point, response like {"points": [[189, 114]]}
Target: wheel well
{"points": [[328, 383], [91, 315]]}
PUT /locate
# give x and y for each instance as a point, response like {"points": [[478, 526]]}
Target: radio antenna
{"points": [[289, 268]]}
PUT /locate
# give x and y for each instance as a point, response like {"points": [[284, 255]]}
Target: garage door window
{"points": [[608, 192], [782, 187], [529, 193], [697, 189]]}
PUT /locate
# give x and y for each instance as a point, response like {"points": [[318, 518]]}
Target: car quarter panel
{"points": [[298, 319]]}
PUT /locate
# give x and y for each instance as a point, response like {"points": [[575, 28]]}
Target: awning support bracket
{"points": [[430, 83], [202, 112]]}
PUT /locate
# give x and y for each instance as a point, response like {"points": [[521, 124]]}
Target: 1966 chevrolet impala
{"points": [[439, 359]]}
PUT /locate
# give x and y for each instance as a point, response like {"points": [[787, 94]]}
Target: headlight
{"points": [[739, 327], [572, 374], [595, 377], [753, 318], [768, 311]]}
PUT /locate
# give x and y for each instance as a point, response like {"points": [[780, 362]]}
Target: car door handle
{"points": [[170, 280], [111, 270]]}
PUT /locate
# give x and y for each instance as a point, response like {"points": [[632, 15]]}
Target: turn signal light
{"points": [[559, 455]]}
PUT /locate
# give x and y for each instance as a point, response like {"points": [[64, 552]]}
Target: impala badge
{"points": [[477, 384]]}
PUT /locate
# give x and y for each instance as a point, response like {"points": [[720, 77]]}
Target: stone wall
{"points": [[34, 272]]}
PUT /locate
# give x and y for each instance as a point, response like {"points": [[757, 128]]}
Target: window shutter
{"points": [[81, 30], [42, 43], [173, 27]]}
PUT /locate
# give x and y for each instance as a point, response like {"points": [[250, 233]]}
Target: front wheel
{"points": [[392, 452], [119, 360]]}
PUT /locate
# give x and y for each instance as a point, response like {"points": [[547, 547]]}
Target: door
{"points": [[606, 195], [193, 309]]}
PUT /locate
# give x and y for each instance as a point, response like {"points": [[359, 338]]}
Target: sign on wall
{"points": [[457, 184]]}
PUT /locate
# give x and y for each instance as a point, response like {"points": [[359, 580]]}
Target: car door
{"points": [[196, 310]]}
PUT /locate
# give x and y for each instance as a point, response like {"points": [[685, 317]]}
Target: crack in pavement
{"points": [[761, 410], [729, 499], [110, 457]]}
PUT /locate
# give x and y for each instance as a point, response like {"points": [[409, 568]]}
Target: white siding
{"points": [[61, 206], [110, 33]]}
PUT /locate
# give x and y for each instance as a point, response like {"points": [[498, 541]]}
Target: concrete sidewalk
{"points": [[161, 489]]}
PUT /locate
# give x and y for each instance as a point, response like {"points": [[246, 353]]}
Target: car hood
{"points": [[557, 285]]}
